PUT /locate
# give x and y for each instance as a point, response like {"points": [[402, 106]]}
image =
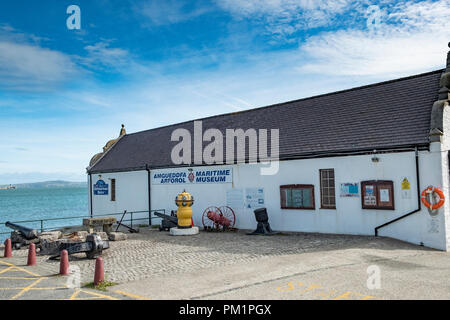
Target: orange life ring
{"points": [[432, 190]]}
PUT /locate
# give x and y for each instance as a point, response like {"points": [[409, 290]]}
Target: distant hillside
{"points": [[50, 184]]}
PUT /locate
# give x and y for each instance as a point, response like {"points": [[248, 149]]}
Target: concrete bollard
{"points": [[64, 263], [8, 249], [31, 255], [99, 271]]}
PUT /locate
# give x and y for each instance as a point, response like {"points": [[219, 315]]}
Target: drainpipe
{"points": [[419, 204], [149, 182], [90, 194]]}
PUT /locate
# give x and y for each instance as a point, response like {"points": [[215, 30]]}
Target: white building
{"points": [[351, 162]]}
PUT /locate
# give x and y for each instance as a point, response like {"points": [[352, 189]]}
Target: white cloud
{"points": [[101, 55], [26, 66], [171, 11], [281, 7], [413, 38], [283, 18], [431, 15]]}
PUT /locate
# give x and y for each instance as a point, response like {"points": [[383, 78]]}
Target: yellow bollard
{"points": [[184, 202]]}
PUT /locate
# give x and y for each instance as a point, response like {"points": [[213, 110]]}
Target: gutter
{"points": [[147, 168], [90, 194], [419, 204]]}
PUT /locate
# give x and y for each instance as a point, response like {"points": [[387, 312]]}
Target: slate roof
{"points": [[385, 115]]}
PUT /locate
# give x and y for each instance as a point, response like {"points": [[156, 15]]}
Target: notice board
{"points": [[377, 194]]}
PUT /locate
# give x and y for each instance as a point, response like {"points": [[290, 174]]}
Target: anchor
{"points": [[93, 247]]}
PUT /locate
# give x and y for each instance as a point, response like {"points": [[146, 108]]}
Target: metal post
{"points": [[42, 225], [149, 183], [90, 195]]}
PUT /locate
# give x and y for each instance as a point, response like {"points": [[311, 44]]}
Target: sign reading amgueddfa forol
{"points": [[100, 188], [193, 176]]}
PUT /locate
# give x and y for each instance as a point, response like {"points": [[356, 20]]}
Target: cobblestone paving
{"points": [[152, 253]]}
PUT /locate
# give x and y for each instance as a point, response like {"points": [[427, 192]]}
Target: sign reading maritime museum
{"points": [[192, 176]]}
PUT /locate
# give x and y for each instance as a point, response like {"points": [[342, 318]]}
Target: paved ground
{"points": [[232, 265], [20, 282]]}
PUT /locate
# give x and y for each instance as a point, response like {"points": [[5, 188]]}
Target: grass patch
{"points": [[155, 226], [101, 286], [143, 225]]}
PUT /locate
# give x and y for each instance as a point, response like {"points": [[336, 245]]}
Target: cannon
{"points": [[263, 227], [215, 218], [27, 233], [167, 221], [218, 219], [93, 247]]}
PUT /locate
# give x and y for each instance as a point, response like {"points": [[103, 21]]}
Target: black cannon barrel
{"points": [[26, 232], [167, 217]]}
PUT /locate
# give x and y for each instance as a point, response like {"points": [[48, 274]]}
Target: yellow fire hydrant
{"points": [[184, 202]]}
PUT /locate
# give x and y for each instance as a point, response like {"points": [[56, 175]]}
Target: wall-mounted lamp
{"points": [[375, 158]]}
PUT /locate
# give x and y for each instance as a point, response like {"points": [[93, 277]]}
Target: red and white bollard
{"points": [[31, 255], [8, 248], [64, 263], [99, 271]]}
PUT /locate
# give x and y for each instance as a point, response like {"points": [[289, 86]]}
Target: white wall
{"points": [[445, 147], [348, 218], [421, 227], [131, 195]]}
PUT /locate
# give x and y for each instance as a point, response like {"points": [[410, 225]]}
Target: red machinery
{"points": [[218, 218]]}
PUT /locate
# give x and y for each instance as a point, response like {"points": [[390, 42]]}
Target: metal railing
{"points": [[39, 224]]}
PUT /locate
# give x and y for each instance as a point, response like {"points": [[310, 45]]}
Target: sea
{"points": [[42, 203]]}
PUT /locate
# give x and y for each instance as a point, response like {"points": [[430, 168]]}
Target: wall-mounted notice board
{"points": [[377, 194]]}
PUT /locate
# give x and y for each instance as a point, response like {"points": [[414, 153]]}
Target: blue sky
{"points": [[147, 63]]}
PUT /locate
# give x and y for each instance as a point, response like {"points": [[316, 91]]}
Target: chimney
{"points": [[437, 113], [122, 131], [445, 80], [448, 60]]}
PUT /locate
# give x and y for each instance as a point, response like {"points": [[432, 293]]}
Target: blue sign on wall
{"points": [[349, 190], [100, 188]]}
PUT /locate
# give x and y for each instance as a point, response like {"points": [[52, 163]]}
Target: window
{"points": [[377, 195], [113, 189], [297, 196], [327, 189]]}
